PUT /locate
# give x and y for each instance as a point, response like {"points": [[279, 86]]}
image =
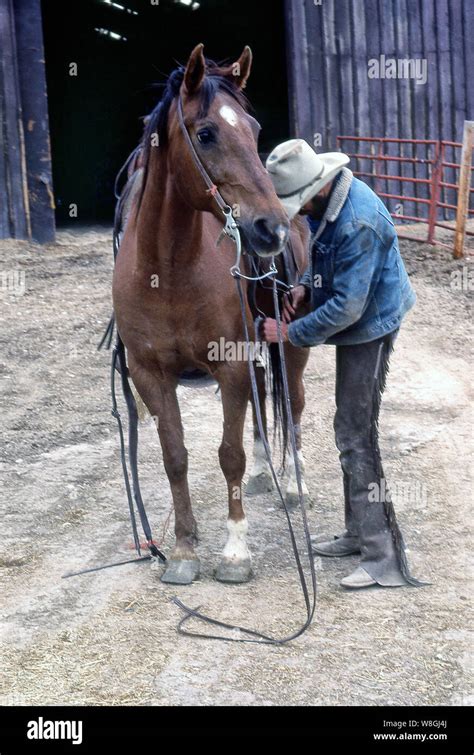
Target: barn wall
{"points": [[329, 47]]}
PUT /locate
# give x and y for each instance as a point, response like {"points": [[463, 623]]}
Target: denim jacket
{"points": [[359, 287]]}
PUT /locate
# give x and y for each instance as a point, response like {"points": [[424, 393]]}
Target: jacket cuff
{"points": [[293, 335]]}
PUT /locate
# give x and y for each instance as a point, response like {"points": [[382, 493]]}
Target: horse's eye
{"points": [[205, 136]]}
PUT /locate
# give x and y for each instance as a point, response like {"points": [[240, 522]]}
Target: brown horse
{"points": [[173, 293]]}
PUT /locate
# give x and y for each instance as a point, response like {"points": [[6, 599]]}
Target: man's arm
{"points": [[359, 261]]}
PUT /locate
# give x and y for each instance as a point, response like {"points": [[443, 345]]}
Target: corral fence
{"points": [[438, 173]]}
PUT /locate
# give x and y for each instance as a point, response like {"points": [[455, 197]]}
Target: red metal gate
{"points": [[431, 188]]}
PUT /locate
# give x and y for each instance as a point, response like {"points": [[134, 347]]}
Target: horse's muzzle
{"points": [[264, 237]]}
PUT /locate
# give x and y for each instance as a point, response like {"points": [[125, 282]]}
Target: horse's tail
{"points": [[275, 388]]}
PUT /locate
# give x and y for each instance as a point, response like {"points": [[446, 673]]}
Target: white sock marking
{"points": [[292, 487], [260, 463], [236, 547]]}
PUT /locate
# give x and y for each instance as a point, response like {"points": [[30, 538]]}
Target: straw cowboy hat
{"points": [[298, 173]]}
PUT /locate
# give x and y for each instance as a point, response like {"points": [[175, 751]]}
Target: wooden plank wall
{"points": [[329, 46]]}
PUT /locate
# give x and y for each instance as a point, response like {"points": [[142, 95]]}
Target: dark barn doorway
{"points": [[122, 47]]}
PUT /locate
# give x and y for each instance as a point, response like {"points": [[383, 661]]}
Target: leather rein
{"points": [[231, 229]]}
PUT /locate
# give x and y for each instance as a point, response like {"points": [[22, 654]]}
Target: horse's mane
{"points": [[156, 123]]}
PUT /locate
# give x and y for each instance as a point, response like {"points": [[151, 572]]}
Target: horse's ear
{"points": [[195, 70], [241, 68]]}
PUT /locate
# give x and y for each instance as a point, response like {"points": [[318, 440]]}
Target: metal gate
{"points": [[437, 180]]}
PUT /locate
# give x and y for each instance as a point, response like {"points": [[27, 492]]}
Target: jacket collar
{"points": [[337, 200]]}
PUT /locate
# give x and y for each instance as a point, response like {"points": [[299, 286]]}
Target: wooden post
{"points": [[26, 195], [436, 175], [34, 102], [15, 222], [464, 188]]}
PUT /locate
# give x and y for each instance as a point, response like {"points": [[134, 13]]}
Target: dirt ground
{"points": [[110, 637]]}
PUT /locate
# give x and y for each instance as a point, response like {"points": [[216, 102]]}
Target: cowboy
{"points": [[358, 291]]}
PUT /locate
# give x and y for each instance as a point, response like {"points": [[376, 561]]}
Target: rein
{"points": [[232, 231]]}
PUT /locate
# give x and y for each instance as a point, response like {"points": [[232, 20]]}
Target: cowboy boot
{"points": [[346, 544], [381, 554], [359, 578]]}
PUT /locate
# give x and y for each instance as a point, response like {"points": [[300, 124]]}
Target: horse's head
{"points": [[225, 136]]}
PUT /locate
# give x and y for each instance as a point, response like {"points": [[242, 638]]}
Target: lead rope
{"points": [[232, 231]]}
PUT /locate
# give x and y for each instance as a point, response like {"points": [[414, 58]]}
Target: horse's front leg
{"points": [[159, 395], [235, 564], [296, 360]]}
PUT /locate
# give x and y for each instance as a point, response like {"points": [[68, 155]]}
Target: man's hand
{"points": [[291, 301], [270, 331]]}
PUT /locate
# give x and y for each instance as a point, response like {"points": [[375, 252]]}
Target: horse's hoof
{"points": [[181, 571], [234, 571], [260, 483], [292, 500]]}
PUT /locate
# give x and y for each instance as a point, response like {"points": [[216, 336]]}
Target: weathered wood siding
{"points": [[329, 48]]}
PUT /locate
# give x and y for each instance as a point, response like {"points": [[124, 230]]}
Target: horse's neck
{"points": [[169, 230]]}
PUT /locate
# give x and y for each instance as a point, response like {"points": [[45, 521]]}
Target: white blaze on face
{"points": [[229, 115]]}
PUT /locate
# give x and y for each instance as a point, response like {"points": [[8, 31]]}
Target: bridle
{"points": [[211, 187], [231, 230]]}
